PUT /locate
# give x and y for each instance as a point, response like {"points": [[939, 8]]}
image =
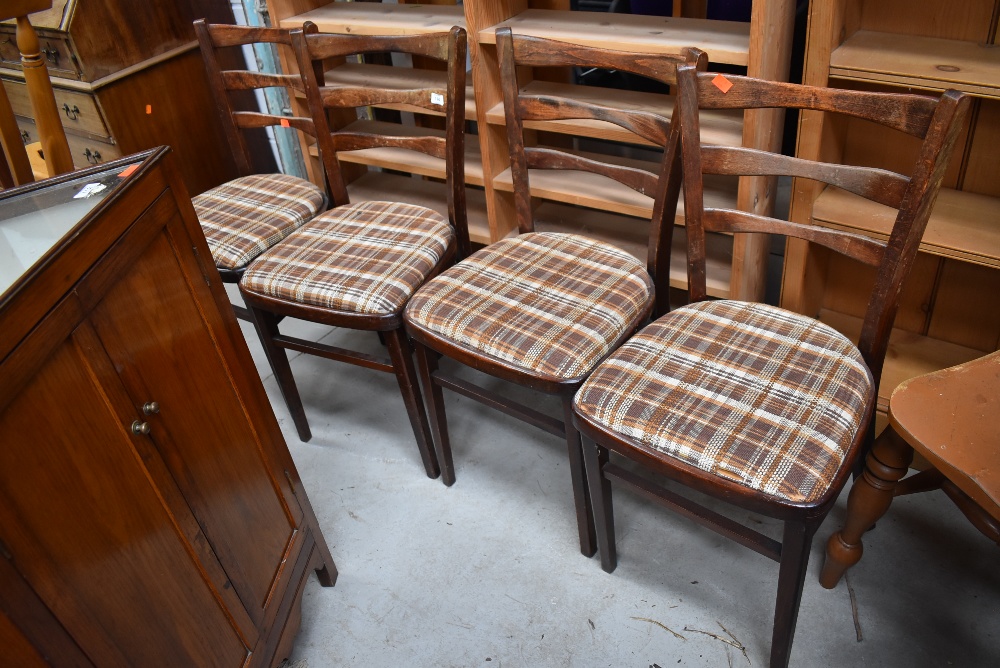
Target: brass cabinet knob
{"points": [[151, 408], [140, 428]]}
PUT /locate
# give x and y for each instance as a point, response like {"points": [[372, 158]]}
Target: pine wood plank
{"points": [[397, 78], [909, 354], [965, 226], [632, 235], [717, 127], [599, 192], [725, 41], [375, 186], [375, 18], [922, 62]]}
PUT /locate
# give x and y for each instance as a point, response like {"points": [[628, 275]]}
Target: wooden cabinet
{"points": [[127, 76], [950, 308], [579, 205], [150, 513]]}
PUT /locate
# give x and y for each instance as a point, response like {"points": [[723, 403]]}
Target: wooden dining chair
{"points": [[952, 419], [542, 309], [760, 407], [244, 217], [357, 265]]}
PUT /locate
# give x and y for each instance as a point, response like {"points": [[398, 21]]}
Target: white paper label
{"points": [[437, 98], [89, 189]]}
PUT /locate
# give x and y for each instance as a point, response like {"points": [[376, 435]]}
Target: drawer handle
{"points": [[72, 114], [25, 137], [51, 54], [93, 158], [140, 428]]}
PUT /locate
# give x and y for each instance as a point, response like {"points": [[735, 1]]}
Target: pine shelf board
{"points": [[404, 160], [964, 226], [909, 354], [922, 62], [594, 191], [725, 41], [723, 127], [379, 186], [632, 236], [397, 78], [376, 18]]}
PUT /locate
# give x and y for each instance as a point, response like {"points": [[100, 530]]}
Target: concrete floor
{"points": [[488, 572]]}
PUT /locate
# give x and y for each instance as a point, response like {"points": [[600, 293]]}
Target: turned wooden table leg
{"points": [[869, 499]]}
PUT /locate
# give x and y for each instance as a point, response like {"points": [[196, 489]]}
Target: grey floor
{"points": [[488, 572]]}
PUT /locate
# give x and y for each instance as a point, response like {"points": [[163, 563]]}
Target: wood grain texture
{"points": [[127, 549], [952, 417], [361, 18], [926, 63], [724, 41]]}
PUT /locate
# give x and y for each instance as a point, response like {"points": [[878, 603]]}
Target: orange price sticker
{"points": [[149, 108], [128, 171], [722, 83], [285, 123]]}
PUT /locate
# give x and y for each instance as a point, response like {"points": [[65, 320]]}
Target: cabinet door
{"points": [[82, 523], [158, 324]]}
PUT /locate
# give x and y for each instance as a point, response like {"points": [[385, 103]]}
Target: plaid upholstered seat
{"points": [[552, 304], [752, 393], [359, 258], [246, 216]]}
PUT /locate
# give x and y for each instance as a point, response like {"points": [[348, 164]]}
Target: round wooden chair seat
{"points": [[550, 304], [244, 217], [365, 258], [756, 395]]}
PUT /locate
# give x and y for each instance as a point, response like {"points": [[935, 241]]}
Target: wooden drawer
{"points": [[77, 110], [86, 151], [55, 47]]}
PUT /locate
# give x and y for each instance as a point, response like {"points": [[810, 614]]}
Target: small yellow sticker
{"points": [[149, 108]]}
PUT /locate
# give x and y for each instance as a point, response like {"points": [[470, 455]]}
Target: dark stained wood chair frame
{"points": [[214, 37], [937, 122], [517, 51], [313, 52]]}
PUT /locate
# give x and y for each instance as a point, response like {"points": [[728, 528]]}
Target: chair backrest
{"points": [[213, 39], [936, 121], [521, 106], [315, 52]]}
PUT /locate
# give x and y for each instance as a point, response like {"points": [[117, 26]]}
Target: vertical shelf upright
{"points": [[950, 308]]}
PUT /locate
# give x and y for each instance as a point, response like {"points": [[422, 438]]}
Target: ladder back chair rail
{"points": [[522, 50], [356, 265], [937, 121], [764, 461], [543, 306], [313, 50]]}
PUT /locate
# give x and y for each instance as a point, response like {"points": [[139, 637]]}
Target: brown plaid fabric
{"points": [[552, 304], [246, 216], [752, 393], [360, 258]]}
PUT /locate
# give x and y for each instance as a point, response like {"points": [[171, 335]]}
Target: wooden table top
{"points": [[952, 417]]}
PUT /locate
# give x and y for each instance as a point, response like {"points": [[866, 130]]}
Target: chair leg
{"points": [[581, 497], [795, 544], [869, 500], [406, 375], [427, 363], [266, 325], [600, 497]]}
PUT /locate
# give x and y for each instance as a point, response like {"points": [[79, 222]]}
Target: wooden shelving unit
{"points": [[588, 204], [949, 307]]}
